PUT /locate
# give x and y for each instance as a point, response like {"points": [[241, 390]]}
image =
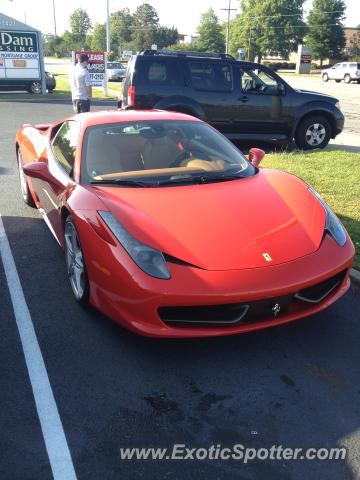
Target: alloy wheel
{"points": [[315, 134]]}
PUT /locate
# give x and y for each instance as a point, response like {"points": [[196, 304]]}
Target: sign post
{"points": [[304, 57], [96, 67]]}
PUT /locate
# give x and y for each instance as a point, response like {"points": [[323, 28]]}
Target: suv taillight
{"points": [[131, 96]]}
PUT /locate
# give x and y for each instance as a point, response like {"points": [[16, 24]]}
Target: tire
{"points": [[75, 263], [313, 132], [337, 81], [347, 78], [35, 87], [325, 77], [24, 186]]}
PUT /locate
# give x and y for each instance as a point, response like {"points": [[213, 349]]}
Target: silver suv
{"points": [[347, 71]]}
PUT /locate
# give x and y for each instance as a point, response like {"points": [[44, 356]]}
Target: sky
{"points": [[183, 14]]}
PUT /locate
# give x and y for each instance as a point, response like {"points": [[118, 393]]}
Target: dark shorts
{"points": [[81, 106]]}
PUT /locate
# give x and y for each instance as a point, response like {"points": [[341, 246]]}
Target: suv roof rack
{"points": [[185, 53]]}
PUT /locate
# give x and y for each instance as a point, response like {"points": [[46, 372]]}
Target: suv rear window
{"points": [[208, 76], [158, 72]]}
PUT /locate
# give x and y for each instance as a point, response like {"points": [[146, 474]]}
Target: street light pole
{"points": [[107, 27], [54, 13]]}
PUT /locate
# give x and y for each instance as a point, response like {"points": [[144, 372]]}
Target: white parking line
{"points": [[51, 426]]}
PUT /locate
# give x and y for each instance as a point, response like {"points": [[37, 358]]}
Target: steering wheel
{"points": [[188, 154]]}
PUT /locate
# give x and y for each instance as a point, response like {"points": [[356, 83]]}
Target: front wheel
{"points": [[325, 77], [313, 132], [75, 263], [25, 191]]}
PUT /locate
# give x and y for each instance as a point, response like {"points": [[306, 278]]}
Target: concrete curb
{"points": [[355, 277]]}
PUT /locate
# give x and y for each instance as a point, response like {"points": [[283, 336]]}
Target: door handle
{"points": [[243, 99]]}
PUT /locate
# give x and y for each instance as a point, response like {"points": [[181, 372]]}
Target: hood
{"points": [[223, 226], [316, 95]]}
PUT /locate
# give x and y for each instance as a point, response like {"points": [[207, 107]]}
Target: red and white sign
{"points": [[96, 66]]}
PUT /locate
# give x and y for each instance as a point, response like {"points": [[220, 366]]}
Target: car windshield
{"points": [[155, 153], [113, 65]]}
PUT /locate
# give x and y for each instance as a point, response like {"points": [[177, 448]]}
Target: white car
{"points": [[115, 71], [347, 71]]}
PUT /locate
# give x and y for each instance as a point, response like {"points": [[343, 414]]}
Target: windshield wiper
{"points": [[176, 179], [122, 182]]}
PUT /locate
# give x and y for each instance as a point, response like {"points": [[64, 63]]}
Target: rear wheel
{"points": [[75, 263], [25, 191], [325, 77], [35, 87], [313, 132], [347, 78]]}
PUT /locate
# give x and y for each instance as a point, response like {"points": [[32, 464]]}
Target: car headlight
{"points": [[337, 105], [333, 225], [151, 261]]}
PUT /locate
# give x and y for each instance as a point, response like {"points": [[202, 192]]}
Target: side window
{"points": [[162, 73], [65, 143], [214, 77], [344, 65], [258, 81]]}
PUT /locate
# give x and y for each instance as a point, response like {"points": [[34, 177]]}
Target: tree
{"points": [[121, 29], [146, 23], [210, 33], [268, 27], [354, 49], [80, 22], [187, 47], [97, 39], [165, 36], [146, 16], [326, 35]]}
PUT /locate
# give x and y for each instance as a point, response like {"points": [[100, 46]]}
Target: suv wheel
{"points": [[25, 191], [325, 77], [347, 78], [35, 87], [313, 132]]}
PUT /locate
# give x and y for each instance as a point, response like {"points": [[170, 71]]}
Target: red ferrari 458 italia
{"points": [[170, 231]]}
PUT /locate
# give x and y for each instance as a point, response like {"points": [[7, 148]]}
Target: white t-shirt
{"points": [[80, 80]]}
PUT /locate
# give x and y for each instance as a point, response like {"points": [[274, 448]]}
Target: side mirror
{"points": [[41, 171], [255, 156], [37, 170]]}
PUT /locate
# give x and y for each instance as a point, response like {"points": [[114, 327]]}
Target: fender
{"points": [[317, 106], [182, 104]]}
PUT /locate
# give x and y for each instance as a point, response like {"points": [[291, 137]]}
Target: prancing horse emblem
{"points": [[276, 310], [267, 257]]}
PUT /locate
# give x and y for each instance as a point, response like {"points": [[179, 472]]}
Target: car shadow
{"points": [[294, 385]]}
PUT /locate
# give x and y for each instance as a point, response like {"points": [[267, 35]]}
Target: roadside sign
{"points": [[19, 55], [96, 66]]}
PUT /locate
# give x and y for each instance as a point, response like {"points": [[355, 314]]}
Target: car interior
{"points": [[117, 152]]}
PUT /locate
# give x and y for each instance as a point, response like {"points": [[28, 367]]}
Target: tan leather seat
{"points": [[160, 153], [113, 153]]}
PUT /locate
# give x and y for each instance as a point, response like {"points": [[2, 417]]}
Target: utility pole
{"points": [[54, 12], [228, 10]]}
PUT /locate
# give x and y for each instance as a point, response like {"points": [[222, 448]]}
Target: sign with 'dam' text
{"points": [[19, 55]]}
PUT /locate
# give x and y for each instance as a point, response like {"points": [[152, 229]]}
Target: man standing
{"points": [[81, 85]]}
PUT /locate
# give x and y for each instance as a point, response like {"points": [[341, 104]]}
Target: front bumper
{"points": [[132, 298]]}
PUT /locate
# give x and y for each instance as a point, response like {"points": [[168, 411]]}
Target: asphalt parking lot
{"points": [[296, 385]]}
